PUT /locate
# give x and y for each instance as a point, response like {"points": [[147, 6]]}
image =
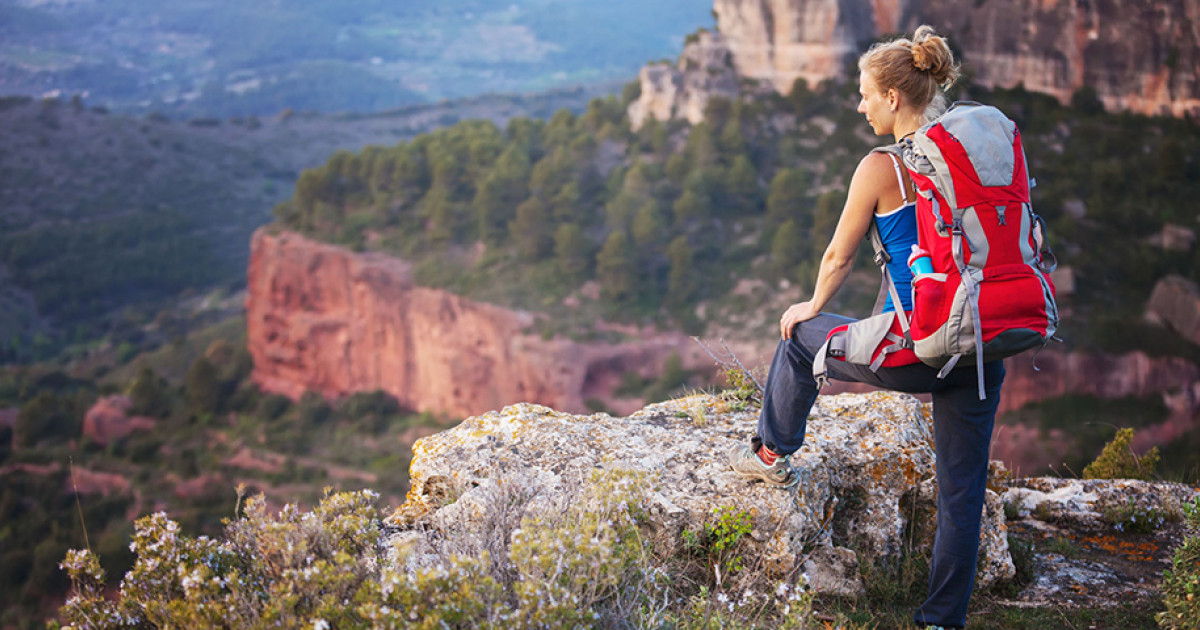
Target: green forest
{"points": [[211, 434], [672, 216]]}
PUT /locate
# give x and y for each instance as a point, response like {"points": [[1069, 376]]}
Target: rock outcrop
{"points": [[1140, 56], [108, 420], [868, 460], [1175, 303], [322, 318], [779, 41], [1095, 542], [704, 70]]}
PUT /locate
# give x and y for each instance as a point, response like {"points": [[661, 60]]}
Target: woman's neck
{"points": [[906, 125]]}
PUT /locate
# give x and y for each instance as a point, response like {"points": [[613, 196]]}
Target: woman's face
{"points": [[875, 105]]}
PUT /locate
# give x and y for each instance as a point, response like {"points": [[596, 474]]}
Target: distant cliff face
{"points": [[322, 318], [779, 41], [1139, 55]]}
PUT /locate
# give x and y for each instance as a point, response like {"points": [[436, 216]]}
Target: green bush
{"points": [[1181, 583], [589, 565], [718, 542], [1118, 461]]}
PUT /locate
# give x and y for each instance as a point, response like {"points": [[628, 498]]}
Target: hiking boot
{"points": [[746, 463]]}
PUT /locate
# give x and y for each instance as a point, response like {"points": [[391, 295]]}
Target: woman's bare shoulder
{"points": [[874, 169]]}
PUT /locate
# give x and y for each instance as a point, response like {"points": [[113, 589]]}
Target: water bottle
{"points": [[919, 261]]}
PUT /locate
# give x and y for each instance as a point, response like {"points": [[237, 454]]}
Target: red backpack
{"points": [[990, 294]]}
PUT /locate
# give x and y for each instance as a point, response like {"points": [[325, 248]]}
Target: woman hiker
{"points": [[901, 85]]}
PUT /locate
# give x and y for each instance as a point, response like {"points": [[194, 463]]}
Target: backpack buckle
{"points": [[882, 258]]}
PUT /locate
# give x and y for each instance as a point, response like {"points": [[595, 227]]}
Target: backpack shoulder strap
{"points": [[882, 258]]}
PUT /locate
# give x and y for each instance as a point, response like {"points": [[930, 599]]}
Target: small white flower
{"points": [[320, 624]]}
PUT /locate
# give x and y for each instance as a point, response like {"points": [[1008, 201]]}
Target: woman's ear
{"points": [[893, 97]]}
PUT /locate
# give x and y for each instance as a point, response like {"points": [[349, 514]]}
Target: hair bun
{"points": [[931, 54]]}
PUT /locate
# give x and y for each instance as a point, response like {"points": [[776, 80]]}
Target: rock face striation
{"points": [[323, 318], [1138, 56], [867, 464]]}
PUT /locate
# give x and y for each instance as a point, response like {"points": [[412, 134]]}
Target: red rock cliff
{"points": [[1139, 55], [322, 318]]}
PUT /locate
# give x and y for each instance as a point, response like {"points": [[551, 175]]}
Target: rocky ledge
{"points": [[866, 494], [866, 467]]}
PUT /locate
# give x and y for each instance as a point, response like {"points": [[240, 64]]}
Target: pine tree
{"points": [[741, 188], [571, 249], [149, 394], [551, 173], [826, 213], [615, 269], [202, 387], [490, 210], [786, 197], [560, 129], [566, 204], [531, 229], [635, 192], [648, 225], [733, 141], [787, 248], [680, 282], [497, 197], [691, 206], [702, 148]]}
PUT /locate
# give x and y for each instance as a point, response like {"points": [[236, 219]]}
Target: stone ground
{"points": [[1090, 567], [1093, 543]]}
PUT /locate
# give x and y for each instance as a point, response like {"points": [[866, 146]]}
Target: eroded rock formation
{"points": [[108, 419], [322, 318], [865, 455], [705, 69], [1139, 56]]}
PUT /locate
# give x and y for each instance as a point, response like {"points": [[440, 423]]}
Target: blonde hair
{"points": [[920, 69]]}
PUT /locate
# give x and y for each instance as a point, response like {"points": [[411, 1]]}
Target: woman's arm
{"points": [[869, 181]]}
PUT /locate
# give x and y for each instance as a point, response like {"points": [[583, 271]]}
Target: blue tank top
{"points": [[898, 231]]}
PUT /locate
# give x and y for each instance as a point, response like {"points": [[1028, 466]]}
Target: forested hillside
{"points": [[180, 430], [106, 219], [672, 217]]}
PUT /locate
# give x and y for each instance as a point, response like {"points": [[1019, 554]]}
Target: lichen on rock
{"points": [[866, 456]]}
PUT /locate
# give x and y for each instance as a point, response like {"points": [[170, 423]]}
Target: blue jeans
{"points": [[962, 432]]}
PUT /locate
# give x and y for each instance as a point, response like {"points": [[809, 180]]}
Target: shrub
{"points": [[743, 384], [150, 394], [272, 406], [587, 564], [718, 541], [281, 570], [1118, 461], [1181, 583]]}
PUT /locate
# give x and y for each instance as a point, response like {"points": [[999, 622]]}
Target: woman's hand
{"points": [[795, 314]]}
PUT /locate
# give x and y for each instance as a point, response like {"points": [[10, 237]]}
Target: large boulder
{"points": [[1175, 303], [866, 466]]}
